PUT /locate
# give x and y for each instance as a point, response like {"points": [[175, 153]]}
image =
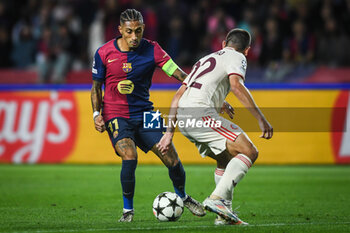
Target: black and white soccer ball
{"points": [[168, 206]]}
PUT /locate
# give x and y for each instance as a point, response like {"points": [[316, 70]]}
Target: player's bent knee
{"points": [[172, 157], [126, 149], [127, 153], [254, 153], [173, 163], [170, 160]]}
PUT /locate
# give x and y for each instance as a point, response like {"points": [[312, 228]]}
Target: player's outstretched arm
{"points": [[173, 70], [96, 102], [244, 96], [179, 74], [165, 141]]}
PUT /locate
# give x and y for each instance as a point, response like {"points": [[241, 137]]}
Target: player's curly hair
{"points": [[130, 15], [239, 39]]}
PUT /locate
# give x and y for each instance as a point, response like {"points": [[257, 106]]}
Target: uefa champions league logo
{"points": [[152, 120]]}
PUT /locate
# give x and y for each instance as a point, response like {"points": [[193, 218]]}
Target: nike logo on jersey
{"points": [[111, 60]]}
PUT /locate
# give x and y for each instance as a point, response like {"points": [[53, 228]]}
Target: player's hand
{"points": [[165, 142], [266, 129], [99, 124], [226, 107]]}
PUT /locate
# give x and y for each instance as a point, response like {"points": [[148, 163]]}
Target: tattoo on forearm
{"points": [[183, 76], [180, 75], [96, 96]]}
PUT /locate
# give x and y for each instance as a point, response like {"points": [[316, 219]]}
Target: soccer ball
{"points": [[168, 206]]}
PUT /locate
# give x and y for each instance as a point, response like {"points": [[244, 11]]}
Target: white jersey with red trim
{"points": [[208, 83]]}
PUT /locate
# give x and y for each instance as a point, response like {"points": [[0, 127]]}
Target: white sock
{"points": [[219, 172], [127, 210], [234, 172]]}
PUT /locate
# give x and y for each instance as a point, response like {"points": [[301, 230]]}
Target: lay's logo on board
{"points": [[37, 127]]}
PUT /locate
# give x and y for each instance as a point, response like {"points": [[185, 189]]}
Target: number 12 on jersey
{"points": [[212, 63]]}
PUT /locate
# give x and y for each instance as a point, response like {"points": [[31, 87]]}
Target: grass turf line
{"points": [[82, 198]]}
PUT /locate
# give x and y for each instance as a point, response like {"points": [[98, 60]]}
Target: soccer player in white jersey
{"points": [[201, 97]]}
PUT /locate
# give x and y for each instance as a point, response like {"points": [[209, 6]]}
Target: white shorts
{"points": [[211, 137]]}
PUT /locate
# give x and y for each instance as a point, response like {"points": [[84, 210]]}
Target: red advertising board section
{"points": [[35, 125], [341, 120], [55, 126]]}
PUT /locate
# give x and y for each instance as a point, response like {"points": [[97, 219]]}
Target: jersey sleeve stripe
{"points": [[236, 74]]}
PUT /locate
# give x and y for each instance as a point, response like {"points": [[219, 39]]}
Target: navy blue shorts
{"points": [[119, 128]]}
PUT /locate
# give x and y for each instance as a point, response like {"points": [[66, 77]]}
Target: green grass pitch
{"points": [[87, 198]]}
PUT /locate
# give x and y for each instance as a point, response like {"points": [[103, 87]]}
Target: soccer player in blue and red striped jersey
{"points": [[125, 66]]}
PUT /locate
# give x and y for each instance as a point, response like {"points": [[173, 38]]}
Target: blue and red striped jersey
{"points": [[127, 77]]}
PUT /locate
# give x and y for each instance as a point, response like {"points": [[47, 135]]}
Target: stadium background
{"points": [[299, 61]]}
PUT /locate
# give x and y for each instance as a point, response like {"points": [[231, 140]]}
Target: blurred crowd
{"points": [[55, 36]]}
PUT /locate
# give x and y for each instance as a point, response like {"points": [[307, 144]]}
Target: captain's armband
{"points": [[169, 67]]}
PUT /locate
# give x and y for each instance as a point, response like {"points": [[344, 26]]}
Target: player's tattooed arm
{"points": [[96, 95], [96, 102], [179, 75]]}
